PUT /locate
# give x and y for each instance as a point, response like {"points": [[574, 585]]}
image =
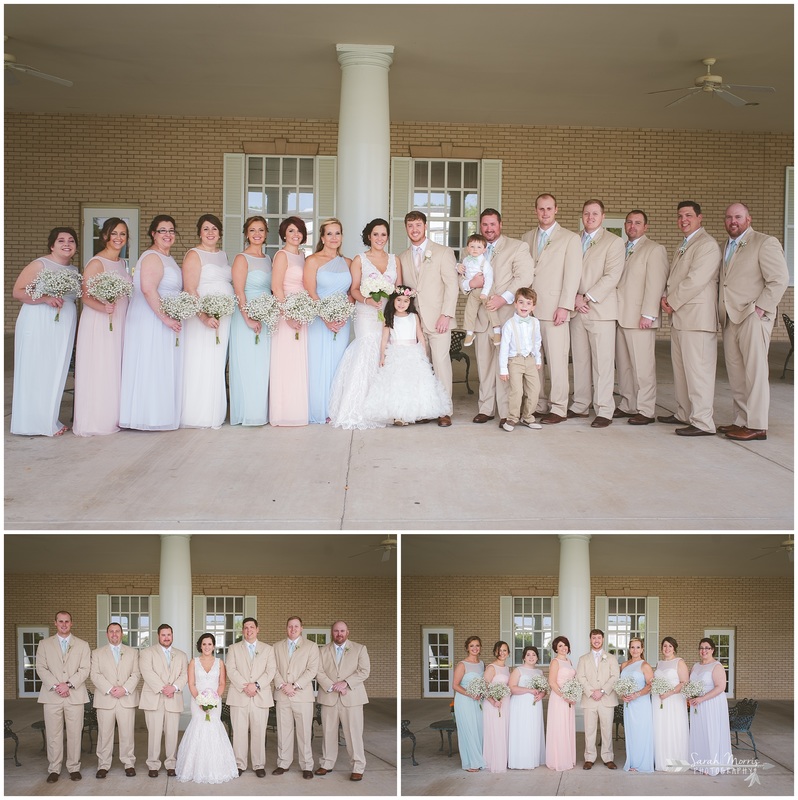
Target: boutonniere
{"points": [[427, 256], [346, 649], [592, 242], [548, 242], [603, 656], [742, 244], [681, 250]]}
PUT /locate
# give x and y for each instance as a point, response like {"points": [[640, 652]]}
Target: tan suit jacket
{"points": [[106, 673], [435, 281], [354, 669], [242, 670], [692, 286], [756, 275], [157, 674], [513, 268], [300, 670], [642, 283], [53, 668], [604, 678], [557, 270], [602, 266]]}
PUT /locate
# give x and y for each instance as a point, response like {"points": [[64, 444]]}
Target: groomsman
{"points": [[115, 675], [431, 269], [165, 672], [512, 268], [63, 663], [251, 668], [594, 321], [691, 298], [598, 671], [557, 272], [297, 664], [753, 279], [640, 290], [343, 667]]}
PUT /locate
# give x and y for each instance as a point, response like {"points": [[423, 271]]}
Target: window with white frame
{"points": [[319, 636], [28, 637], [532, 625], [626, 619], [224, 618], [133, 613]]}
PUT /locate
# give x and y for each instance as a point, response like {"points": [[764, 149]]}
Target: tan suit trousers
{"points": [[745, 351], [636, 364], [54, 716], [437, 346], [351, 719], [472, 305], [292, 716], [161, 722], [249, 721], [593, 348], [493, 392], [594, 716], [694, 355], [524, 388], [125, 719], [556, 344]]}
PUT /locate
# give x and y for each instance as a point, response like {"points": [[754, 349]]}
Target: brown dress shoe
{"points": [[307, 774], [322, 771], [153, 773], [260, 773], [482, 418], [691, 430], [75, 776], [747, 435], [130, 772], [240, 772], [552, 419], [445, 421], [727, 428], [587, 765], [52, 777], [611, 765], [601, 422], [170, 773], [574, 415], [639, 419], [356, 776], [101, 773], [671, 419], [278, 771], [618, 414]]}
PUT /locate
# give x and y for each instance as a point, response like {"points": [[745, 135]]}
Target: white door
{"points": [[724, 652], [320, 636], [28, 638], [438, 664]]}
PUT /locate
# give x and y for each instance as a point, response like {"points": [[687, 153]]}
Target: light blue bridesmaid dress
{"points": [[325, 350], [249, 362], [468, 716], [638, 724]]}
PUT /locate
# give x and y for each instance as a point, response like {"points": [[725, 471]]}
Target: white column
{"points": [[364, 139], [574, 593], [175, 594]]}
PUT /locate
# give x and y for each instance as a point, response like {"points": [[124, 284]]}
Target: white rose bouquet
{"points": [[377, 287], [207, 700], [263, 309], [335, 308], [218, 306], [300, 307], [55, 283], [180, 307], [660, 686], [108, 287]]}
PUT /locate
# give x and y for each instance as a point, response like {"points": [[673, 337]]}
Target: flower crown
{"points": [[404, 291]]}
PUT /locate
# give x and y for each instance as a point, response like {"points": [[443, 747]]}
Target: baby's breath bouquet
{"points": [[660, 686], [218, 306], [377, 286], [335, 308], [108, 287], [55, 283], [180, 307], [625, 686], [693, 689], [538, 683], [478, 689], [300, 307], [207, 699], [497, 692], [263, 309], [571, 690]]}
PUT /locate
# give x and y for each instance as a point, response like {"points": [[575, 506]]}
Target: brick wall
{"points": [[761, 610], [367, 604], [53, 163]]}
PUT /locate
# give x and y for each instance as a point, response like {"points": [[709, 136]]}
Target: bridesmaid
{"points": [[561, 718], [467, 712], [288, 396], [205, 272], [249, 362], [42, 346], [710, 738], [152, 367], [98, 356], [637, 720], [670, 721], [326, 272], [496, 715], [527, 746]]}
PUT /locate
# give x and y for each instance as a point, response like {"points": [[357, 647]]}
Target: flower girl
{"points": [[405, 388]]}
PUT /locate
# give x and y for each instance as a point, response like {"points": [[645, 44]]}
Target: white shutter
{"points": [[490, 194], [401, 201], [233, 204], [651, 636], [789, 221], [602, 612], [103, 617], [326, 182], [251, 606], [199, 618], [506, 633]]}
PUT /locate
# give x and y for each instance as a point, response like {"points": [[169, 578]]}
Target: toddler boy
{"points": [[474, 263]]}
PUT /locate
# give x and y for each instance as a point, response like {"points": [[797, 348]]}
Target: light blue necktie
{"points": [[585, 243], [115, 648], [629, 248], [491, 248], [168, 658], [732, 246], [64, 645], [291, 648], [542, 239], [251, 651], [340, 654], [684, 243]]}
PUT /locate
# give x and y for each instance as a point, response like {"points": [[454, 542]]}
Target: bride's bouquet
{"points": [[263, 309], [497, 692], [218, 306], [661, 686], [335, 308], [478, 689], [108, 287], [538, 683], [300, 307], [207, 700], [180, 307], [625, 686], [571, 690], [55, 283], [377, 286], [693, 689]]}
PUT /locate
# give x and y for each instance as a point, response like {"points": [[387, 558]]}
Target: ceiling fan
{"points": [[713, 84], [787, 546], [386, 545], [10, 63]]}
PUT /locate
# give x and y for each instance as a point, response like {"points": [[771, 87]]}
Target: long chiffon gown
{"points": [[670, 721], [468, 716], [249, 362], [288, 381], [638, 724], [204, 361], [205, 754], [496, 727], [710, 738], [527, 746], [561, 725], [42, 352], [152, 366], [325, 350], [360, 363], [98, 363]]}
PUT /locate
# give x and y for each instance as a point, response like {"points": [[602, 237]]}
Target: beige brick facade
{"points": [[53, 163], [368, 604], [759, 608]]}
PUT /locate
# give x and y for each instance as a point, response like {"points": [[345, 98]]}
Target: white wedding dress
{"points": [[205, 754]]}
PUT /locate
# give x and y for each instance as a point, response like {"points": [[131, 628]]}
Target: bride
{"points": [[361, 360], [205, 754]]}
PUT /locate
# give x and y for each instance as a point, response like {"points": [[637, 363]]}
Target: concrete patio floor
{"points": [[30, 778], [563, 477], [439, 775]]}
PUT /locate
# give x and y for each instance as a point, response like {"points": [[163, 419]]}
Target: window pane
{"points": [[255, 202], [114, 604], [289, 171], [438, 177], [239, 605], [471, 205], [289, 205], [421, 179], [306, 171], [470, 174], [255, 171], [305, 203], [272, 171], [420, 199], [455, 176], [210, 604]]}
